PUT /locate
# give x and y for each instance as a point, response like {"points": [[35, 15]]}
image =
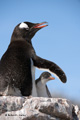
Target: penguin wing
{"points": [[41, 63], [48, 92]]}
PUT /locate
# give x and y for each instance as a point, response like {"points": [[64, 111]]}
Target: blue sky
{"points": [[59, 42]]}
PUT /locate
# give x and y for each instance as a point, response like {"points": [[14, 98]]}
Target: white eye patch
{"points": [[23, 25]]}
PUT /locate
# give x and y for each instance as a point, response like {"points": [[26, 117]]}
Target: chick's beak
{"points": [[51, 78]]}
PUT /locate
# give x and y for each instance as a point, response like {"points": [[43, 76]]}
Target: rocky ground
{"points": [[35, 108]]}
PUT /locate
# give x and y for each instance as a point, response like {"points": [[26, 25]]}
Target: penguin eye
{"points": [[27, 28]]}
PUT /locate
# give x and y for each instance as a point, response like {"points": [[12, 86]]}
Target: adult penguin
{"points": [[17, 65]]}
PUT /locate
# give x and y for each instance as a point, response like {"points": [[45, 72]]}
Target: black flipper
{"points": [[49, 66]]}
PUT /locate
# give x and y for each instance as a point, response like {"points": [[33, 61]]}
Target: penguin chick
{"points": [[42, 89]]}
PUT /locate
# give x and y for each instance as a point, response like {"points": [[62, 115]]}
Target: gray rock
{"points": [[35, 108]]}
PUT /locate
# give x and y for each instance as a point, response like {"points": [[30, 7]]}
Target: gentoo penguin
{"points": [[42, 89], [17, 65]]}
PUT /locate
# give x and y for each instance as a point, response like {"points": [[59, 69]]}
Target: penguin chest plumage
{"points": [[34, 91], [41, 90]]}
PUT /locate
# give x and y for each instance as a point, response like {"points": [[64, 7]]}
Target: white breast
{"points": [[41, 90], [34, 91]]}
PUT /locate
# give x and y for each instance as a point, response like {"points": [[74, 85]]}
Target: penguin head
{"points": [[45, 77], [26, 30]]}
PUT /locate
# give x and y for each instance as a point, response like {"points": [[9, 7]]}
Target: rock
{"points": [[37, 108]]}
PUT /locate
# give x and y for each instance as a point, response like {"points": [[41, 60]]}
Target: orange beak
{"points": [[40, 25], [51, 78]]}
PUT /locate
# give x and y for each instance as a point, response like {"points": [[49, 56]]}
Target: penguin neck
{"points": [[13, 38]]}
